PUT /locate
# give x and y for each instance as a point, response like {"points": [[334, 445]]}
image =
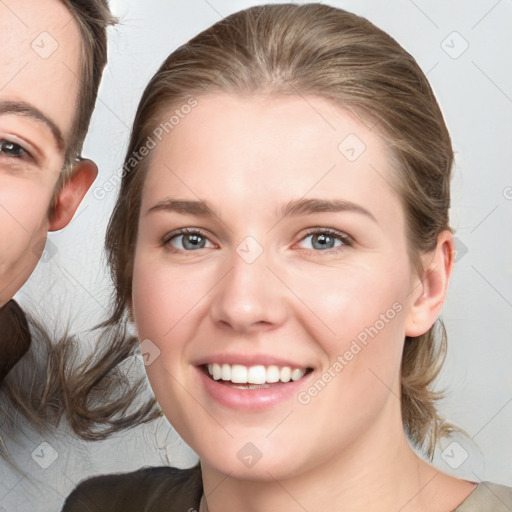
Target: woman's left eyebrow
{"points": [[308, 206]]}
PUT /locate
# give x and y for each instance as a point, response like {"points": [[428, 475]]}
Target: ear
{"points": [[431, 287], [71, 194]]}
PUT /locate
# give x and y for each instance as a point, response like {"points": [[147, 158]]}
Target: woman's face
{"points": [[271, 247]]}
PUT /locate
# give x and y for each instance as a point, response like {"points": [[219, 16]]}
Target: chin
{"points": [[258, 460]]}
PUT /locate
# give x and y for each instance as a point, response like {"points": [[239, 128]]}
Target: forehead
{"points": [[257, 152], [40, 58]]}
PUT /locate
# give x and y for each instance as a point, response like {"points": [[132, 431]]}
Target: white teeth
{"points": [[273, 374], [226, 372], [259, 374], [238, 374], [286, 374], [216, 372], [297, 374]]}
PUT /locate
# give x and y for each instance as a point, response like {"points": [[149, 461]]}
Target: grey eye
{"points": [[189, 241], [321, 241]]}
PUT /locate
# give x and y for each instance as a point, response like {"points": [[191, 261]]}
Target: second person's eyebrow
{"points": [[22, 108]]}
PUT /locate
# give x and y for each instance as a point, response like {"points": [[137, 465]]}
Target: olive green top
{"points": [[165, 489], [487, 497]]}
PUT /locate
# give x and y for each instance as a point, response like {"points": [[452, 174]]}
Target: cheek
{"points": [[362, 309], [23, 219], [361, 335], [25, 200], [23, 230], [165, 304], [348, 300], [167, 300]]}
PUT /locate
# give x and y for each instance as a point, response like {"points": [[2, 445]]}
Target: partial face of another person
{"points": [[272, 286], [40, 65]]}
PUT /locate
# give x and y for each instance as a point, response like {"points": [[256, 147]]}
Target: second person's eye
{"points": [[11, 149]]}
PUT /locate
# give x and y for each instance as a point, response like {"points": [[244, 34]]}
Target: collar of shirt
{"points": [[203, 507]]}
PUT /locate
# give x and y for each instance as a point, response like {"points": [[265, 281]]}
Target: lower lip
{"points": [[251, 399]]}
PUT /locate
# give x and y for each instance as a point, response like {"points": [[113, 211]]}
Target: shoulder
{"points": [[149, 489], [488, 497]]}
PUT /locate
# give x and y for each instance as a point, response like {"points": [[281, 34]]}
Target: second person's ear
{"points": [[71, 194]]}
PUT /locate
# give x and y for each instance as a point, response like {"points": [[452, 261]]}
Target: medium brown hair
{"points": [[323, 51]]}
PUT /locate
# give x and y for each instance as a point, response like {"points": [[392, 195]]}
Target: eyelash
{"points": [[346, 241]]}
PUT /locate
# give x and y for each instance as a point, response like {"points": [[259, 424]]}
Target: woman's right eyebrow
{"points": [[24, 109], [200, 208]]}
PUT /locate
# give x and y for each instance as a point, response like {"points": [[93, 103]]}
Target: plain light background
{"points": [[465, 48]]}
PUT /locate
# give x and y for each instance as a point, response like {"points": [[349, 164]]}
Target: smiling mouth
{"points": [[253, 377]]}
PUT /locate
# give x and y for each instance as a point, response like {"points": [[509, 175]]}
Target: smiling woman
{"points": [[290, 238]]}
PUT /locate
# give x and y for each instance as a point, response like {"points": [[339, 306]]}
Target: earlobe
{"points": [[430, 293], [71, 194]]}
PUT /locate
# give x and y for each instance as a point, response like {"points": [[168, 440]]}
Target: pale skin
{"points": [[247, 158], [38, 95]]}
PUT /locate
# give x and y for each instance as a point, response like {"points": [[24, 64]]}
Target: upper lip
{"points": [[249, 360]]}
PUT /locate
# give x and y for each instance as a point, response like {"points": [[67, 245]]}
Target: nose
{"points": [[250, 298]]}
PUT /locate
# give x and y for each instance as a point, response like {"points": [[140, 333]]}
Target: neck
{"points": [[381, 475]]}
